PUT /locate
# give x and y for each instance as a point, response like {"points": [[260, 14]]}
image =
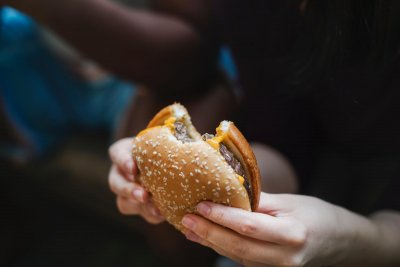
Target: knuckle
{"points": [[204, 233], [127, 191], [239, 248], [217, 214], [294, 261], [248, 227], [299, 235], [114, 149], [119, 152]]}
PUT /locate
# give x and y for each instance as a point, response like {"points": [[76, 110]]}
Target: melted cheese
{"points": [[220, 137], [168, 123], [217, 140], [240, 178], [147, 130]]}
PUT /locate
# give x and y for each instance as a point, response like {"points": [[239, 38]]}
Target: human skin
{"points": [[286, 229], [170, 47], [294, 230]]}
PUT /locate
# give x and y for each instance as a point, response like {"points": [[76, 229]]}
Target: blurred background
{"points": [[59, 113]]}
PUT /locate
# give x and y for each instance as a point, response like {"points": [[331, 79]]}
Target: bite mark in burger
{"points": [[181, 168]]}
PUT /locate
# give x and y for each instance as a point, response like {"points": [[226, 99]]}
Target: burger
{"points": [[180, 167]]}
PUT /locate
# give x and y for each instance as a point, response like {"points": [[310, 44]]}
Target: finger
{"points": [[195, 238], [128, 206], [251, 224], [151, 214], [121, 187], [276, 204], [121, 155], [234, 244], [269, 203], [148, 211], [133, 207]]}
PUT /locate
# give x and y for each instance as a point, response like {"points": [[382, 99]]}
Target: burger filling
{"points": [[181, 132], [233, 162]]}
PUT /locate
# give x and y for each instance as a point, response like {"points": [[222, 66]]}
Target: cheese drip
{"points": [[240, 178], [168, 123], [216, 141], [220, 137]]}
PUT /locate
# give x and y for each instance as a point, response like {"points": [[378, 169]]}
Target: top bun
{"points": [[180, 169]]}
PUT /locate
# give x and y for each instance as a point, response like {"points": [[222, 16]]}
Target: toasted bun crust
{"points": [[178, 111], [239, 146], [180, 175]]}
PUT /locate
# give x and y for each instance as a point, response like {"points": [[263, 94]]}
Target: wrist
{"points": [[362, 242], [344, 237], [353, 236]]}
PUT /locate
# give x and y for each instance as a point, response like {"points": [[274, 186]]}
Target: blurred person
{"points": [[48, 93], [322, 75]]}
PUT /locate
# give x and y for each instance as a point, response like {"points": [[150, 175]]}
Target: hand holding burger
{"points": [[285, 230], [223, 169]]}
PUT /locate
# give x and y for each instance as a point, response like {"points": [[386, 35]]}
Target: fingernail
{"points": [[138, 194], [188, 223], [204, 209]]}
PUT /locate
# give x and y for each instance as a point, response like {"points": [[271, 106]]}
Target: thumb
{"points": [[275, 203]]}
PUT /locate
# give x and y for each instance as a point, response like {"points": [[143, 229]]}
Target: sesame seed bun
{"points": [[180, 174]]}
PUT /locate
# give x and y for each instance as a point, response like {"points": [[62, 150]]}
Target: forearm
{"points": [[147, 47], [375, 241]]}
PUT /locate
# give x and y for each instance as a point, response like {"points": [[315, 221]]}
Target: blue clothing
{"points": [[42, 98]]}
